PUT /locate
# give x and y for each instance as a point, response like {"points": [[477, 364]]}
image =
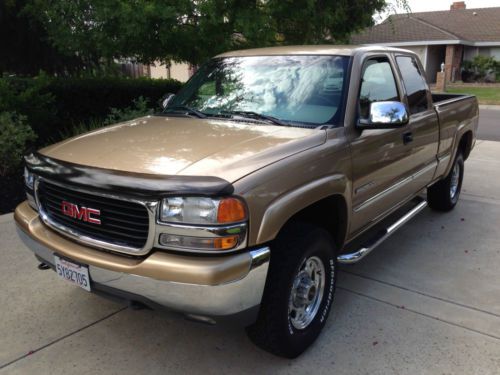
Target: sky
{"points": [[430, 5]]}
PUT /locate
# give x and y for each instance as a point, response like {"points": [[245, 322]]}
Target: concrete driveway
{"points": [[489, 123], [426, 302]]}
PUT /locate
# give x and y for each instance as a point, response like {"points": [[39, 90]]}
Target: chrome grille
{"points": [[124, 224]]}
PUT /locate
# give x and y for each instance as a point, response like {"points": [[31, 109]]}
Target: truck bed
{"points": [[455, 112], [441, 98]]}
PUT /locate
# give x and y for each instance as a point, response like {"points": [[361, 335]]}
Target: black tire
{"points": [[439, 195], [274, 331]]}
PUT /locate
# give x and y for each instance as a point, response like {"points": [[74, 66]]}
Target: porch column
{"points": [[452, 62]]}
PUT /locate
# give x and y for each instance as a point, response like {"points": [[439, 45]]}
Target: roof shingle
{"points": [[473, 25]]}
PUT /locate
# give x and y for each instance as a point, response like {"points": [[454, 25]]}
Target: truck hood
{"points": [[182, 146]]}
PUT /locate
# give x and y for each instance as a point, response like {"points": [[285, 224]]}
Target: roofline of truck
{"points": [[325, 49]]}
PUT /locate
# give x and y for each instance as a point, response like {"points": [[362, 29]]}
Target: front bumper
{"points": [[206, 286]]}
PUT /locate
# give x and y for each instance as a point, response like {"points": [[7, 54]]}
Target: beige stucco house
{"points": [[179, 71], [448, 36]]}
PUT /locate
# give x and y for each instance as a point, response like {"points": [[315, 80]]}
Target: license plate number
{"points": [[72, 272]]}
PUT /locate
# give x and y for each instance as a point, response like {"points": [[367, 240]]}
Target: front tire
{"points": [[299, 291], [444, 194]]}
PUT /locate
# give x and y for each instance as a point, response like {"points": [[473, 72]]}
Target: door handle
{"points": [[407, 137]]}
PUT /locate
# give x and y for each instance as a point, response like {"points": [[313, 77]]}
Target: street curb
{"points": [[489, 106], [6, 218]]}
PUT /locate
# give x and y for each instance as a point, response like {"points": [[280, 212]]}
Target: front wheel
{"points": [[444, 194], [299, 291]]}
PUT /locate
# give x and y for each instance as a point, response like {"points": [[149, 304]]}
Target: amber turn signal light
{"points": [[231, 210]]}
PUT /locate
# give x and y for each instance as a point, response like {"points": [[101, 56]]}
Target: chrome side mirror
{"points": [[166, 100], [385, 115]]}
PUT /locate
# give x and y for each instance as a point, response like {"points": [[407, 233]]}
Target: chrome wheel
{"points": [[454, 182], [307, 293]]}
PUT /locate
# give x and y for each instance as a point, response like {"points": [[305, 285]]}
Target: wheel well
{"points": [[329, 213], [465, 144]]}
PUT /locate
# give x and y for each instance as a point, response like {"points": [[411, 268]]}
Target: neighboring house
{"points": [[448, 36], [179, 71]]}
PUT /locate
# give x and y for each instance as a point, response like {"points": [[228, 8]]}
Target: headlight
{"points": [[29, 178], [202, 210], [202, 224], [29, 181]]}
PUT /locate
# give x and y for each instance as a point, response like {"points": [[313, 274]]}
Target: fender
{"points": [[446, 161], [287, 205]]}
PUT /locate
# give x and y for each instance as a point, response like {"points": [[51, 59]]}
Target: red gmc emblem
{"points": [[89, 215]]}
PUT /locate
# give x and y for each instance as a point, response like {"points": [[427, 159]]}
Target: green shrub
{"points": [[77, 129], [29, 97], [467, 65], [482, 64], [53, 106], [139, 108], [15, 137], [80, 99]]}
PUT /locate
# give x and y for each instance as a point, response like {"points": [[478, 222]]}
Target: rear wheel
{"points": [[444, 194], [299, 291]]}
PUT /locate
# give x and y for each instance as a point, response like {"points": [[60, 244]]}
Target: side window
{"points": [[414, 82], [377, 84]]}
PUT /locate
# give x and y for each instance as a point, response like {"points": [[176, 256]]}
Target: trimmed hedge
{"points": [[80, 99], [53, 105]]}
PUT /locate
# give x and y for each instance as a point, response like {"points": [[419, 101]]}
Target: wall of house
{"points": [[178, 71], [158, 70], [495, 52], [421, 51], [471, 52]]}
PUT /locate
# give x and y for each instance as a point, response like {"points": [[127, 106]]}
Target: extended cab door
{"points": [[424, 125], [381, 158]]}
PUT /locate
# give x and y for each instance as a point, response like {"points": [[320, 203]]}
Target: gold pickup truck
{"points": [[239, 200]]}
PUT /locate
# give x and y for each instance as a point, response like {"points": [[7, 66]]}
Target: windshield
{"points": [[292, 89]]}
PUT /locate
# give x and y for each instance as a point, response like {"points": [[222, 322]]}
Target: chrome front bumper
{"points": [[228, 298]]}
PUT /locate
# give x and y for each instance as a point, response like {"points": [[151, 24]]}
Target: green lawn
{"points": [[485, 95]]}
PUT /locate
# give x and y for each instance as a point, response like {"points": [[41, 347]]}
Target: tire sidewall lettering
{"points": [[329, 299]]}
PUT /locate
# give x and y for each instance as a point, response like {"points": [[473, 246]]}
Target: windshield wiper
{"points": [[255, 115], [187, 110]]}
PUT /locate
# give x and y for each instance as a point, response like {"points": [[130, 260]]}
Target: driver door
{"points": [[380, 157]]}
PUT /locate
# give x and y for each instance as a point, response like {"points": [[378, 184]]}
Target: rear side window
{"points": [[377, 85], [414, 83]]}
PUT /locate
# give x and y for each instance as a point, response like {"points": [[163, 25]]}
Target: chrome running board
{"points": [[381, 237]]}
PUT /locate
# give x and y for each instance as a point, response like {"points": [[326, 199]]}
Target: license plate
{"points": [[72, 272]]}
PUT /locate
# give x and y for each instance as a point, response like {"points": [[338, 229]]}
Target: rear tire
{"points": [[444, 194], [299, 291]]}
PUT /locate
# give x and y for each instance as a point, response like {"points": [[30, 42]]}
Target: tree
{"points": [[97, 31], [25, 48]]}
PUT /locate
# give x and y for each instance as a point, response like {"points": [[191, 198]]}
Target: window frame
{"points": [[336, 121], [395, 73], [422, 73]]}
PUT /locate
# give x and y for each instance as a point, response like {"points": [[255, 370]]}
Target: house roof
{"points": [[468, 26]]}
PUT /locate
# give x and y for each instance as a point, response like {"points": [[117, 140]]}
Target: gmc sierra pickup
{"points": [[268, 169]]}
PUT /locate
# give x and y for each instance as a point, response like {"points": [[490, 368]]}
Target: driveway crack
{"points": [[418, 313], [423, 294]]}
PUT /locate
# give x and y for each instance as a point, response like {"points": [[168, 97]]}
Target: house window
{"points": [[414, 83]]}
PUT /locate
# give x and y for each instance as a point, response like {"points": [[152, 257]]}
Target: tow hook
{"points": [[43, 266]]}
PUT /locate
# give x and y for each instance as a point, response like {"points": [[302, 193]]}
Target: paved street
{"points": [[489, 123], [427, 301]]}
